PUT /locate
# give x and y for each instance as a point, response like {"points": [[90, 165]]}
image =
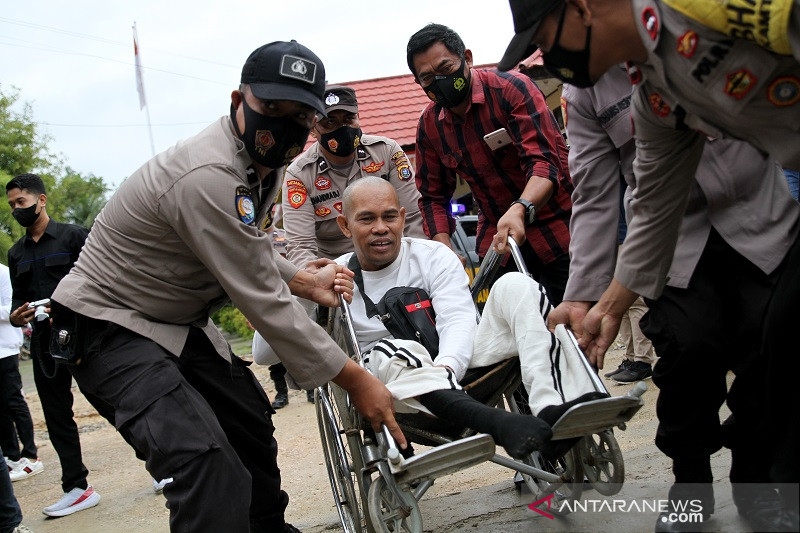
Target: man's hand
{"points": [[601, 325], [21, 315], [511, 224], [330, 281], [312, 267], [571, 314], [372, 399], [323, 285]]}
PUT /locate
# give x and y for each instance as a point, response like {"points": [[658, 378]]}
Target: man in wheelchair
{"points": [[513, 323]]}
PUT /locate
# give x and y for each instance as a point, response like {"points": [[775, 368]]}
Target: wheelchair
{"points": [[376, 489]]}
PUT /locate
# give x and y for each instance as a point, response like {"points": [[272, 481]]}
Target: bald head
{"points": [[366, 186], [373, 219]]}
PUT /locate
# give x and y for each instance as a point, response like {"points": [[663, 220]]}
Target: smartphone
{"points": [[497, 139]]}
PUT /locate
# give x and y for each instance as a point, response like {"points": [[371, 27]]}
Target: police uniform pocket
{"points": [[168, 421]]}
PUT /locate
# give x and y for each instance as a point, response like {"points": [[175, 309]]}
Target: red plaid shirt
{"points": [[447, 145]]}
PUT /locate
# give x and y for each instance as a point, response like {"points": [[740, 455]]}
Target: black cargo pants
{"points": [[198, 419]]}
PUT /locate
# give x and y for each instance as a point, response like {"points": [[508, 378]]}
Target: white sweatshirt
{"points": [[432, 266]]}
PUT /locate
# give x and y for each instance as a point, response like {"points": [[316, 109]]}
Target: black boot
{"points": [[282, 391], [518, 434], [692, 495]]}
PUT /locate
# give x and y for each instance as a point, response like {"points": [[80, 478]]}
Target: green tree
{"points": [[23, 148]]}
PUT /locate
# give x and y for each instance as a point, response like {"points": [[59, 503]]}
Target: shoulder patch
{"points": [[784, 91], [295, 184], [244, 205], [404, 172]]}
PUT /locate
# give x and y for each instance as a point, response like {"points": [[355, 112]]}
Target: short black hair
{"points": [[430, 35], [27, 182]]}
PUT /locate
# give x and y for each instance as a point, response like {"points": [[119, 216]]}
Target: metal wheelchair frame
{"points": [[376, 488]]}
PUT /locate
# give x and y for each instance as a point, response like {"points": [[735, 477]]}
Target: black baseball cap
{"points": [[527, 15], [340, 97], [286, 71]]}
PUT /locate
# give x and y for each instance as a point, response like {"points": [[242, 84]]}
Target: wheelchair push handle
{"points": [[491, 262]]}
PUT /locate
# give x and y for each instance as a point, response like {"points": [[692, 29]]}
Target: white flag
{"points": [[138, 63]]}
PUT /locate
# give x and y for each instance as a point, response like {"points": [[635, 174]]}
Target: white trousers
{"points": [[513, 323]]}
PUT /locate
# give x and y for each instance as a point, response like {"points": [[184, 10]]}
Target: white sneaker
{"points": [[73, 501], [25, 468], [22, 529], [11, 464], [158, 486]]}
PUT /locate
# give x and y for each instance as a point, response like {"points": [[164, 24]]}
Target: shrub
{"points": [[231, 320]]}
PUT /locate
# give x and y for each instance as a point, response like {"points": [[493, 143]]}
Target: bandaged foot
{"points": [[552, 413], [518, 434]]}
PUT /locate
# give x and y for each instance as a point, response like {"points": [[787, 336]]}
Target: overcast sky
{"points": [[73, 61]]}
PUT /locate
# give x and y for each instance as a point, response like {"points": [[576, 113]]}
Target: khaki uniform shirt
{"points": [[699, 83], [180, 237], [312, 197], [737, 192]]}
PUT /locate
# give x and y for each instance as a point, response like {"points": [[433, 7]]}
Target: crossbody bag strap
{"points": [[355, 266]]}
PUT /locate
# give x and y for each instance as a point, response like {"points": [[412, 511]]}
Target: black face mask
{"points": [[566, 65], [341, 142], [449, 90], [26, 216], [270, 141]]}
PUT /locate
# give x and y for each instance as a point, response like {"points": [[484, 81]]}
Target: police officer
{"points": [[175, 242], [701, 326], [315, 181], [719, 69]]}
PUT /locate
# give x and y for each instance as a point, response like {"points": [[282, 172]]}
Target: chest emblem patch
{"points": [[739, 83], [687, 44], [338, 206], [322, 211], [373, 167], [244, 205], [322, 183], [784, 91], [658, 105]]}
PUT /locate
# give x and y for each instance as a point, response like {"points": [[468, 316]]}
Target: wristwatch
{"points": [[530, 210]]}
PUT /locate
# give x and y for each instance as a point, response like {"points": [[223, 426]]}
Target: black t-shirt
{"points": [[36, 268]]}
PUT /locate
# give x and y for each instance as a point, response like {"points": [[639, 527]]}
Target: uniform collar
{"points": [[324, 166]]}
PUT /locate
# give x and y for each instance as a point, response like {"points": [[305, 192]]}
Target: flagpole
{"points": [[140, 87]]}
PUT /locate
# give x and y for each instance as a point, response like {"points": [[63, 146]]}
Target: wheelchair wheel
{"points": [[569, 466], [336, 460], [602, 462], [386, 513]]}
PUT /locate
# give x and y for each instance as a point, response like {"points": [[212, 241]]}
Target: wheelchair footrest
{"points": [[597, 415], [445, 459]]}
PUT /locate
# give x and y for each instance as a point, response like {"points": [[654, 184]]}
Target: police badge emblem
{"points": [[244, 205]]}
